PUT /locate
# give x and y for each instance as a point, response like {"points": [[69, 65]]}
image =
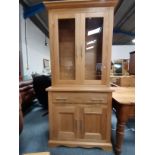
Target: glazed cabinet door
{"points": [[64, 123], [96, 47], [81, 46], [65, 30], [93, 122]]}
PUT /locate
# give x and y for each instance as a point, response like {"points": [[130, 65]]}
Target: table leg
{"points": [[122, 117], [119, 136]]}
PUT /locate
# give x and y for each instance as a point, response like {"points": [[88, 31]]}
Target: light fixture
{"points": [[46, 41], [133, 40], [91, 42], [88, 48], [91, 32], [117, 65]]}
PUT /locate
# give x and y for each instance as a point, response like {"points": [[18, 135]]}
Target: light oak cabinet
{"points": [[85, 122], [80, 97]]}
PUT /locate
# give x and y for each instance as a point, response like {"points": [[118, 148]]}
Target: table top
{"points": [[124, 95]]}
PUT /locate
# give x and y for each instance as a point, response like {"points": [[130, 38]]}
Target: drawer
{"points": [[70, 97]]}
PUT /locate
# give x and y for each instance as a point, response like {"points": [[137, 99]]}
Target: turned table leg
{"points": [[119, 137], [122, 117]]}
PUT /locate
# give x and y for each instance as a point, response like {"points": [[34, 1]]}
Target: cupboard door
{"points": [[96, 54], [65, 122], [93, 122], [66, 48]]}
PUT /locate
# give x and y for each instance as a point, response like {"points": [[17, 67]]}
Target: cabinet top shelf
{"points": [[62, 4], [80, 88]]}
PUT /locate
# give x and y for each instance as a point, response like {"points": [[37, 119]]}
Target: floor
{"points": [[34, 136]]}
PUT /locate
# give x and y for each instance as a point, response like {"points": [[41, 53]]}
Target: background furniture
{"points": [[21, 121], [126, 81], [26, 95], [120, 67], [124, 104], [80, 97], [40, 83], [132, 63], [123, 81], [115, 79]]}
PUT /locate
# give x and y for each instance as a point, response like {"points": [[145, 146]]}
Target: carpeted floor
{"points": [[34, 136]]}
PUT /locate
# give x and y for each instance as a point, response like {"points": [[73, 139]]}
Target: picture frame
{"points": [[45, 63]]}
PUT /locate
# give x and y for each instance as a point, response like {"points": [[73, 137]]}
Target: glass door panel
{"points": [[66, 32], [93, 48]]}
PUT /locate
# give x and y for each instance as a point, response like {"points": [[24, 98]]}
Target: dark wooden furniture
{"points": [[132, 63], [26, 96], [124, 104], [21, 121]]}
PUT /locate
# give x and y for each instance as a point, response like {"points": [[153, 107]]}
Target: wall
{"points": [[121, 51], [37, 51]]}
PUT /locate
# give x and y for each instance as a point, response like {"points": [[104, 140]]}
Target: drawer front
{"points": [[70, 97]]}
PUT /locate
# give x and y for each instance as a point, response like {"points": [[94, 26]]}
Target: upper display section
{"points": [[80, 41], [62, 4]]}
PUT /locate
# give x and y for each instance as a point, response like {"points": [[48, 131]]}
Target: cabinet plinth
{"points": [[80, 97]]}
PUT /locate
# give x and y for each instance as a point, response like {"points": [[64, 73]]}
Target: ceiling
{"points": [[124, 19]]}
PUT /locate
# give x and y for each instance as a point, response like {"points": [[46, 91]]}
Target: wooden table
{"points": [[124, 104]]}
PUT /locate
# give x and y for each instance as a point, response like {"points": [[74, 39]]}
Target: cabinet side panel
{"points": [[109, 113], [50, 114], [107, 46], [110, 17], [52, 41]]}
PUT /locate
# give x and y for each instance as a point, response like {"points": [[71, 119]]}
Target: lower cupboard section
{"points": [[80, 125]]}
